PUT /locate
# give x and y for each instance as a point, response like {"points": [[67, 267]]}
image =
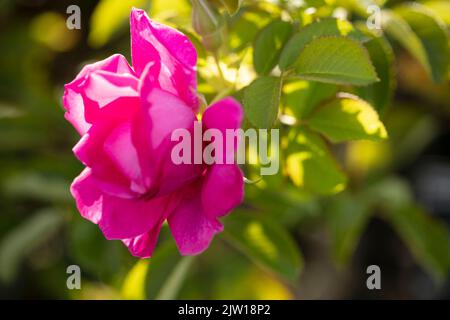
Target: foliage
{"points": [[321, 77]]}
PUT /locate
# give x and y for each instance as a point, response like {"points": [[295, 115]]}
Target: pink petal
{"points": [[162, 113], [129, 218], [192, 229], [87, 196], [121, 150], [143, 245], [90, 148], [171, 54], [223, 189], [76, 103], [224, 114]]}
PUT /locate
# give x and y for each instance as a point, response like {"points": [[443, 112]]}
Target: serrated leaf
{"points": [[346, 218], [326, 27], [427, 238], [379, 94], [17, 244], [268, 45], [347, 118], [433, 35], [261, 101], [311, 166], [301, 96], [336, 60], [265, 242]]}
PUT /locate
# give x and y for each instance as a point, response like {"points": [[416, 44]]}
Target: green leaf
{"points": [[268, 45], [326, 27], [261, 101], [336, 60], [108, 17], [346, 217], [399, 29], [265, 242], [379, 94], [433, 35], [441, 8], [310, 165], [427, 238], [301, 96], [232, 6], [133, 287], [17, 244], [348, 118]]}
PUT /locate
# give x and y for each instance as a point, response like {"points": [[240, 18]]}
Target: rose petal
{"points": [[192, 229], [129, 218], [87, 196], [162, 114], [143, 245], [171, 54], [90, 151], [76, 103], [224, 114], [222, 190]]}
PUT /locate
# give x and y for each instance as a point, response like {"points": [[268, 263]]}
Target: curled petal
{"points": [[90, 150], [222, 190], [78, 106], [170, 53]]}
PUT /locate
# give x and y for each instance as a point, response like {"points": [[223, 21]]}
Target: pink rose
{"points": [[125, 116]]}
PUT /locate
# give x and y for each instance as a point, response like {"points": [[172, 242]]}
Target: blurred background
{"points": [[282, 243]]}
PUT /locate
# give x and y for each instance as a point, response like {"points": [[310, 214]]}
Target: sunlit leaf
{"points": [[440, 8], [310, 165], [347, 118], [336, 60], [301, 96], [433, 35], [326, 27], [266, 242]]}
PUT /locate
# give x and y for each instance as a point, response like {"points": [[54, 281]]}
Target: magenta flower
{"points": [[125, 116]]}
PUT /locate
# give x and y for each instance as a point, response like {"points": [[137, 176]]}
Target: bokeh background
{"points": [[302, 245]]}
